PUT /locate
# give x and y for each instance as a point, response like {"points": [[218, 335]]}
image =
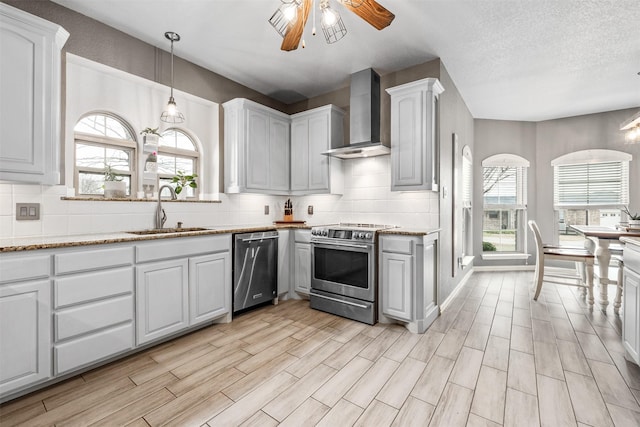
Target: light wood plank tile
{"points": [[249, 382], [310, 344], [501, 326], [543, 331], [593, 348], [378, 414], [572, 358], [333, 390], [612, 386], [270, 339], [379, 345], [485, 315], [185, 402], [522, 339], [307, 363], [587, 401], [490, 300], [375, 330], [427, 346], [557, 311], [548, 360], [433, 380], [467, 368], [539, 310], [245, 407], [87, 391], [260, 419], [522, 317], [451, 344], [472, 304], [611, 339], [563, 329], [136, 409], [453, 408], [504, 308], [184, 367], [198, 356], [344, 413], [629, 370], [307, 414], [120, 368], [347, 351], [497, 353], [23, 414], [287, 401], [414, 413], [554, 403], [38, 396], [522, 372], [184, 344], [256, 361], [401, 382], [140, 422], [478, 335], [347, 334], [623, 416], [260, 334], [402, 347], [521, 409], [464, 320], [477, 421], [580, 323], [363, 391], [489, 398]]}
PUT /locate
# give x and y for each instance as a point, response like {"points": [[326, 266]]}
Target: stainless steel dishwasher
{"points": [[255, 269]]}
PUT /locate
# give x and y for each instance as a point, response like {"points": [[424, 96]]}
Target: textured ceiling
{"points": [[511, 59]]}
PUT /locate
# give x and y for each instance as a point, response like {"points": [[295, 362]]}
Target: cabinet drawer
{"points": [[92, 286], [93, 259], [24, 267], [90, 317], [631, 258], [302, 236], [396, 245], [182, 247], [83, 351]]}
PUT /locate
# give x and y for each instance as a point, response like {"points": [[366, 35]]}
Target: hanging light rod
{"points": [[171, 113]]}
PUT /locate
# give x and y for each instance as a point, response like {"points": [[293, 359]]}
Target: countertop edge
{"points": [[635, 241], [408, 231]]}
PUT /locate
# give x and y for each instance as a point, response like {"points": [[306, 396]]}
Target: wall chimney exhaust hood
{"points": [[364, 123]]}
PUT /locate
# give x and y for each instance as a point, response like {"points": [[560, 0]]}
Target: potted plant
{"points": [[182, 181], [150, 135], [634, 219], [114, 186], [151, 164]]}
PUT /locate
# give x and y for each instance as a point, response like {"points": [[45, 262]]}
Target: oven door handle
{"points": [[340, 301], [344, 245]]}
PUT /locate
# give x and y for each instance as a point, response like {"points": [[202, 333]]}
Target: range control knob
{"points": [[325, 233], [368, 235], [313, 232], [361, 235]]}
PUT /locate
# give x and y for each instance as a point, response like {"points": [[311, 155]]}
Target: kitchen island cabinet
{"points": [[25, 321], [414, 135], [312, 133], [408, 280], [30, 101], [631, 299], [256, 148]]}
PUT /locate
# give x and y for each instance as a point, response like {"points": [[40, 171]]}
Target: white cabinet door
{"points": [[284, 263], [257, 150], [319, 143], [209, 287], [25, 334], [397, 285], [162, 299], [631, 312], [30, 102], [279, 161], [299, 155], [414, 135], [302, 269]]}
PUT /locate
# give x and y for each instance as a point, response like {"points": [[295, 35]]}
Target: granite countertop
{"points": [[405, 231], [17, 244], [635, 241]]}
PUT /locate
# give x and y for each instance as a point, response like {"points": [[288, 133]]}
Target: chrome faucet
{"points": [[161, 216]]}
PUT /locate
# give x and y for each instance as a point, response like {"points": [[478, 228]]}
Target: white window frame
{"points": [[193, 155]]}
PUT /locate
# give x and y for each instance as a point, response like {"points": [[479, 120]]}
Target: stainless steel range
{"points": [[344, 270]]}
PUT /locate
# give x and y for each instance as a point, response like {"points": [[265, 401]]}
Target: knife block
{"points": [[288, 215]]}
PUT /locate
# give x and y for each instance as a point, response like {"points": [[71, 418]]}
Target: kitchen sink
{"points": [[167, 230]]}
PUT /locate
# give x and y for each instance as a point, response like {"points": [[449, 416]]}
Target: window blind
{"points": [[603, 184], [505, 186]]}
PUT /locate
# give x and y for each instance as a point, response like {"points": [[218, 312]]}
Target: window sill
{"points": [[505, 256], [102, 199]]}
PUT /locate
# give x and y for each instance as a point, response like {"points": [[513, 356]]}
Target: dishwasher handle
{"points": [[257, 239]]}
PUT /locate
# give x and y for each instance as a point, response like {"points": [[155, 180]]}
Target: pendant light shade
{"points": [[171, 113]]}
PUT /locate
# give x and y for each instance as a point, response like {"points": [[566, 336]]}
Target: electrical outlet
{"points": [[310, 209], [266, 209], [27, 211]]}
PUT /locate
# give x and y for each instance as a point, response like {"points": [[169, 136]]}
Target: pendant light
{"points": [[171, 113]]}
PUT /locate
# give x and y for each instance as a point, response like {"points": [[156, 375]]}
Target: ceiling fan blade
{"points": [[294, 32], [372, 12]]}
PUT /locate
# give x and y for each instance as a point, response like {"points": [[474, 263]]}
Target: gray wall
{"points": [[540, 143]]}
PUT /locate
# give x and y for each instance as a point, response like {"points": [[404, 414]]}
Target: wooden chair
{"points": [[561, 276]]}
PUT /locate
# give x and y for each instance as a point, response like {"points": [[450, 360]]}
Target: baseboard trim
{"points": [[455, 292], [480, 268]]}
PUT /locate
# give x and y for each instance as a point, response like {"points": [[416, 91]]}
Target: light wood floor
{"points": [[494, 357]]}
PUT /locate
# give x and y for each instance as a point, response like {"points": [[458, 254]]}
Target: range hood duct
{"points": [[364, 123]]}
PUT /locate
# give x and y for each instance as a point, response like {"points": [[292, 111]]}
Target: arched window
{"points": [[505, 204], [103, 140], [177, 152]]}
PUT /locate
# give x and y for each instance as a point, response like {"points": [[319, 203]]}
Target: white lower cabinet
{"points": [[302, 262], [631, 303], [25, 334], [408, 280], [209, 287], [162, 299]]}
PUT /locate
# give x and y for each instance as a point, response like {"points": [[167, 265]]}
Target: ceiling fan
{"points": [[291, 17]]}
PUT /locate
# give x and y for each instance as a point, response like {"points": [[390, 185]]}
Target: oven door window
{"points": [[342, 266]]}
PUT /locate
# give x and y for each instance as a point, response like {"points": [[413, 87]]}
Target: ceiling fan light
{"points": [[332, 25], [284, 16], [352, 3]]}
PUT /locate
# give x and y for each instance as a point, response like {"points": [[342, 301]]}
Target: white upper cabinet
{"points": [[29, 97], [414, 135], [256, 148], [312, 133]]}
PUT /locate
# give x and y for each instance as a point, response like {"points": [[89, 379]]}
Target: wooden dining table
{"points": [[599, 239]]}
